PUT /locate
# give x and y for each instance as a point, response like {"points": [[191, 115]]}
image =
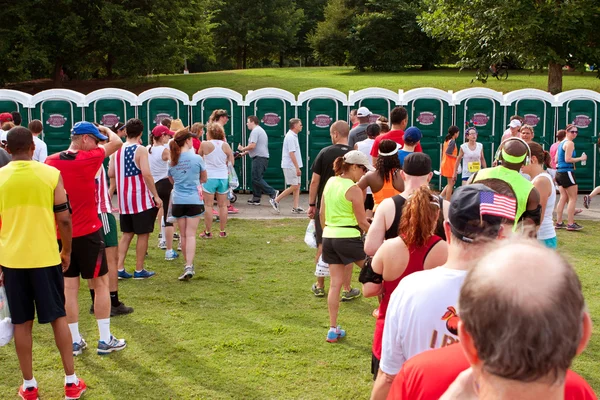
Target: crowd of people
{"points": [[458, 315]]}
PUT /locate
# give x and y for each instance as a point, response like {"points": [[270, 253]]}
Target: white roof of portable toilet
{"points": [[522, 94], [58, 94], [269, 92], [15, 95], [471, 93], [322, 93], [111, 93], [427, 92], [163, 92], [375, 92], [217, 92], [576, 94]]}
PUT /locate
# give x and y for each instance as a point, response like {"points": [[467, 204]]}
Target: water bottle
{"points": [[583, 162]]}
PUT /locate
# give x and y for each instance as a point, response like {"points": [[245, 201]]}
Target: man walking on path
{"points": [[291, 162]]}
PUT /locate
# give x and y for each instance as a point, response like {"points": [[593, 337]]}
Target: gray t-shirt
{"points": [[4, 158], [259, 136], [357, 134]]}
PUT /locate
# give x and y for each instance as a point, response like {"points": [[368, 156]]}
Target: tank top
{"points": [[399, 201], [365, 147], [388, 190], [562, 165], [546, 230], [415, 263], [448, 165], [216, 161], [133, 194], [158, 167], [471, 159], [340, 221]]}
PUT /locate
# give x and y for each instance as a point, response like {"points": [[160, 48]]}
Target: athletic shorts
{"points": [[343, 250], [109, 230], [566, 179], [139, 223], [290, 176], [213, 185], [374, 365], [318, 228], [186, 210], [35, 290], [164, 188], [551, 243], [88, 259], [369, 202]]}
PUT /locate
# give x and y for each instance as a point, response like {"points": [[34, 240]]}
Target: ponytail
{"points": [[451, 132], [542, 156], [419, 217], [152, 139], [339, 166], [177, 143]]}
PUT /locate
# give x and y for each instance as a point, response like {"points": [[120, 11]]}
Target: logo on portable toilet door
{"points": [[531, 119], [160, 116], [480, 119], [271, 119], [56, 120], [426, 118], [322, 121], [582, 121], [109, 119]]}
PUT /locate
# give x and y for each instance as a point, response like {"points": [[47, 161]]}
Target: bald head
{"points": [[341, 128], [522, 304]]}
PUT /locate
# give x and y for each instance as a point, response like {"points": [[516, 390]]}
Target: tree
{"points": [[551, 33], [331, 39]]}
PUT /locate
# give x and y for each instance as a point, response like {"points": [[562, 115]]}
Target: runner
{"points": [[221, 117], [32, 270], [527, 133], [291, 163], [449, 161], [343, 218], [41, 150], [514, 128], [399, 120], [471, 154], [79, 165], [197, 130], [187, 170], [358, 133], [365, 147], [565, 178]]}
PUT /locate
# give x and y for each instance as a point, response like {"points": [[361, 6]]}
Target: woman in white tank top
{"points": [[471, 154], [217, 154], [544, 183]]}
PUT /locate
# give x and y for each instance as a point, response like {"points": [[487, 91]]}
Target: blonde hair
{"points": [[215, 131]]}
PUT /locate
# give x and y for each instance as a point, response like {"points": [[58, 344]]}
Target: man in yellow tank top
{"points": [[32, 198]]}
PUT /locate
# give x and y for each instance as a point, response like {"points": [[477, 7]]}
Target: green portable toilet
{"points": [[482, 108], [538, 109], [581, 107], [59, 110], [14, 100], [206, 101], [318, 109], [379, 101], [274, 108], [156, 104], [430, 110], [109, 106]]}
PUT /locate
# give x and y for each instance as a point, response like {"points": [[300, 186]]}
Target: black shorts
{"points": [[374, 365], [164, 187], [369, 202], [318, 228], [566, 179], [88, 258], [186, 210], [343, 250], [140, 223], [32, 290]]}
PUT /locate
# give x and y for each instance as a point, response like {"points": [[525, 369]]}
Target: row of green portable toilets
{"points": [[430, 109]]}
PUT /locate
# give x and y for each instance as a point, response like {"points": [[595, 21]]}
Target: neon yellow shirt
{"points": [[339, 214], [28, 231]]}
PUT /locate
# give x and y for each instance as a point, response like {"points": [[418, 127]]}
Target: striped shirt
{"points": [[102, 198], [134, 195]]}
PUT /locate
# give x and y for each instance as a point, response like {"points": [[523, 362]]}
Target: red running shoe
{"points": [[232, 210], [73, 391], [31, 393]]}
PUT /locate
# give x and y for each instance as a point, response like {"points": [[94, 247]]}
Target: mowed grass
{"points": [[246, 326]]}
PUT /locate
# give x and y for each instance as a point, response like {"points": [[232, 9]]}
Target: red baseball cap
{"points": [[161, 130], [5, 117]]}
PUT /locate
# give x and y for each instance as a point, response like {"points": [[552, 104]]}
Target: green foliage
{"points": [[330, 41]]}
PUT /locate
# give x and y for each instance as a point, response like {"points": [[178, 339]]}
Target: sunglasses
{"points": [[573, 131]]}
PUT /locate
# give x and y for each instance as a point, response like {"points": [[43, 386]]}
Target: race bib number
{"points": [[474, 166]]}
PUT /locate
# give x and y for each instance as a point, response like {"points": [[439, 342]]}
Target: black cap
{"points": [[417, 164], [467, 219]]}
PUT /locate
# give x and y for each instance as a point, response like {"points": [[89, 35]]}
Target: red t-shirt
{"points": [[397, 135], [428, 375], [196, 144], [78, 171]]}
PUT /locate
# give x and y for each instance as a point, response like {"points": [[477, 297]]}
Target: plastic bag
{"points": [[322, 268], [232, 177], [6, 326], [310, 237], [170, 218]]}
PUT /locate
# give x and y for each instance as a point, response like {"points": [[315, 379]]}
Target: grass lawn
{"points": [[246, 327], [340, 78]]}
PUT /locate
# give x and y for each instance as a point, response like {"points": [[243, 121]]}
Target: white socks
{"points": [[104, 328], [75, 336], [71, 379], [30, 383]]}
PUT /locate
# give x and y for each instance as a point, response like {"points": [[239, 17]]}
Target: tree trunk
{"points": [[238, 58], [281, 59], [110, 61], [555, 76], [58, 73], [245, 56]]}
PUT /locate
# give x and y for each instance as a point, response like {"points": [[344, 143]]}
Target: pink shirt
{"points": [[553, 151]]}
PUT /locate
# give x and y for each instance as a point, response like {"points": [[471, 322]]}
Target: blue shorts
{"points": [[212, 186], [549, 243]]}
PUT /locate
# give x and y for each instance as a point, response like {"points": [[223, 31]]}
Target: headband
{"points": [[512, 159], [391, 153]]}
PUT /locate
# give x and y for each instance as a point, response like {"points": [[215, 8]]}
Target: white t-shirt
{"points": [[365, 147], [471, 161], [41, 150], [158, 166], [2, 135], [419, 316], [546, 230], [290, 144]]}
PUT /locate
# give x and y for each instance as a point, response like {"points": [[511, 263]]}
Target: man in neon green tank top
{"points": [[513, 154]]}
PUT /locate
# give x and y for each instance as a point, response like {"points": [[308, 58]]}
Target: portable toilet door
{"points": [[14, 100], [379, 101], [59, 110], [107, 107], [483, 109], [580, 107], [430, 110], [206, 101], [538, 109], [318, 109], [274, 108], [156, 104]]}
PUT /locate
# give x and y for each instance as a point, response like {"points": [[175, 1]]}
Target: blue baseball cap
{"points": [[87, 128], [412, 134]]}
